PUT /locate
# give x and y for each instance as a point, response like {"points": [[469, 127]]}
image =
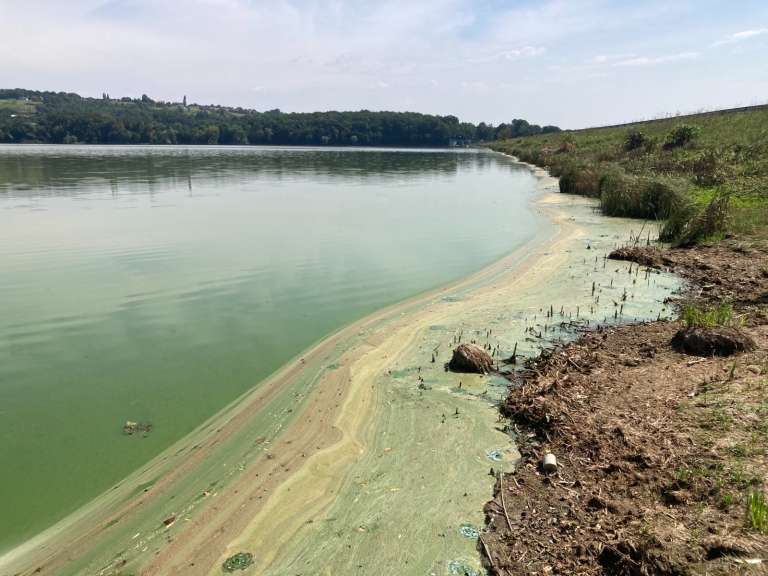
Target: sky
{"points": [[573, 63]]}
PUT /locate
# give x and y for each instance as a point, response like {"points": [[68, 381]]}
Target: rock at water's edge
{"points": [[470, 358]]}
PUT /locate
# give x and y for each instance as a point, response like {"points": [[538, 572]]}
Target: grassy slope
{"points": [[18, 106], [727, 158]]}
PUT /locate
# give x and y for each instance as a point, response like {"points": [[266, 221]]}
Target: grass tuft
{"points": [[633, 197], [757, 511], [689, 224], [700, 317]]}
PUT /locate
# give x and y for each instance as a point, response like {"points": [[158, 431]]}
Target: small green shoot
{"points": [[726, 500], [757, 511]]}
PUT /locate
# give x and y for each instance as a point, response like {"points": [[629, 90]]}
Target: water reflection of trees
{"points": [[55, 171]]}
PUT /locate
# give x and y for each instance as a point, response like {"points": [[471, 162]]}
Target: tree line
{"points": [[28, 116]]}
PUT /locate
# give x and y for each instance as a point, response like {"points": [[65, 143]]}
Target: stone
{"points": [[718, 341], [470, 358]]}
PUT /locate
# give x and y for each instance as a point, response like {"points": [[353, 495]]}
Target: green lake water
{"points": [[159, 283]]}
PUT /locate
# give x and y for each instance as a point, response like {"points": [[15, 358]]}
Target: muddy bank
{"points": [[658, 451], [732, 271]]}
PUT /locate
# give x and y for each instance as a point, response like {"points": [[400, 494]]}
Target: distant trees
{"points": [[60, 117], [485, 132], [519, 128]]}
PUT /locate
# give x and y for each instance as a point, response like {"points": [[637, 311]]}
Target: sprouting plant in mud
{"points": [[757, 511], [699, 317]]}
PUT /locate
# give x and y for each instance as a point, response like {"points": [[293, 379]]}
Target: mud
{"points": [[657, 450]]}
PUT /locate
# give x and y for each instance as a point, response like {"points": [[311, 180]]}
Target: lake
{"points": [[158, 284]]}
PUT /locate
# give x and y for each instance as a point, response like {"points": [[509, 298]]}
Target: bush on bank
{"points": [[581, 180], [632, 197]]}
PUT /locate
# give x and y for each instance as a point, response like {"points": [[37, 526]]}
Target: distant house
{"points": [[459, 142]]}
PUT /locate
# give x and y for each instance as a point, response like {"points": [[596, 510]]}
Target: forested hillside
{"points": [[28, 116]]}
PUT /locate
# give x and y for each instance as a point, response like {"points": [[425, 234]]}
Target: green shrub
{"points": [[634, 139], [630, 197], [661, 198], [688, 224], [557, 169], [708, 170], [527, 155], [681, 135], [580, 180], [650, 145], [619, 195], [567, 182]]}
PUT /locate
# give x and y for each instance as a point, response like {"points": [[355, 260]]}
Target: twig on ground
{"points": [[487, 552], [503, 502]]}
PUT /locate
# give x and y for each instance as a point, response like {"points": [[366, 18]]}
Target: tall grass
{"points": [[580, 180], [633, 197], [757, 511], [690, 224], [699, 317]]}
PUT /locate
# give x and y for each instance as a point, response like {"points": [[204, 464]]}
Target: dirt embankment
{"points": [[658, 451]]}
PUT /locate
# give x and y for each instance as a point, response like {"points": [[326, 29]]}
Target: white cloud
{"points": [[525, 52], [653, 61], [607, 58], [509, 55], [741, 36]]}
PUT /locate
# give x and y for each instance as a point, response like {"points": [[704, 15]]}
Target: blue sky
{"points": [[573, 63]]}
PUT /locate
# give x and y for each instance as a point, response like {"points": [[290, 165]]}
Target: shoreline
{"points": [[336, 433]]}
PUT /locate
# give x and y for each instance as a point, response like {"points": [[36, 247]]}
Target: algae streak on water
{"points": [[364, 456]]}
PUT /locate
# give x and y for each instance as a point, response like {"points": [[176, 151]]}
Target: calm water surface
{"points": [[158, 284]]}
